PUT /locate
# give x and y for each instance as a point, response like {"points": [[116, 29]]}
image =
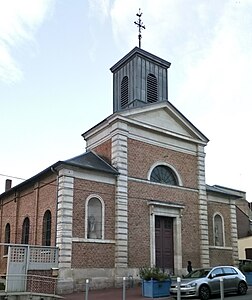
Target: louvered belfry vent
{"points": [[124, 91], [139, 78], [152, 90]]}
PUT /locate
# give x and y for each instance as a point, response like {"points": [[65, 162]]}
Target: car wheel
{"points": [[242, 288], [204, 292]]}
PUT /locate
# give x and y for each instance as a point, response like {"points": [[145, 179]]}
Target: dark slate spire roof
{"points": [[90, 160]]}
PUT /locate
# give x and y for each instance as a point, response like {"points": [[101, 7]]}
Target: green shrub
{"points": [[247, 268], [155, 273]]}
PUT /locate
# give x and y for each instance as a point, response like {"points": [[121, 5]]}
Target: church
{"points": [[137, 197]]}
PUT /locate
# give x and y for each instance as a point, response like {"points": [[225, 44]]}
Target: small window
{"points": [[25, 231], [152, 91], [164, 174], [218, 231], [46, 235], [124, 91], [7, 238], [217, 272], [229, 271], [94, 219], [248, 252]]}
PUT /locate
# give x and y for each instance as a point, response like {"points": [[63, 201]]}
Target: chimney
{"points": [[8, 183]]}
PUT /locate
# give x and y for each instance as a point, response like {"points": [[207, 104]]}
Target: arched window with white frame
{"points": [[94, 218], [164, 173], [218, 230]]}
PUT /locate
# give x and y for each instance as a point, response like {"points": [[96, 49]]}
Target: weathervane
{"points": [[140, 26]]}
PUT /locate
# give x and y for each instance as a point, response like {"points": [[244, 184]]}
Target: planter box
{"points": [[248, 277], [156, 289]]}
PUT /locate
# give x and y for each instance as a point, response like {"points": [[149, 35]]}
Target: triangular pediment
{"points": [[164, 116]]}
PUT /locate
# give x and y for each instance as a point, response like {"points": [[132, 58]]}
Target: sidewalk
{"points": [[111, 294], [114, 294]]}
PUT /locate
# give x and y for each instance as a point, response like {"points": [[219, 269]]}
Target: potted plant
{"points": [[155, 282]]}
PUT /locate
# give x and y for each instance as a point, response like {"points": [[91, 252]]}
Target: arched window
{"points": [[152, 90], [164, 174], [6, 238], [47, 225], [124, 91], [94, 220], [25, 231], [218, 230]]}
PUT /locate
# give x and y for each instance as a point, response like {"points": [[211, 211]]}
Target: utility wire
{"points": [[14, 177]]}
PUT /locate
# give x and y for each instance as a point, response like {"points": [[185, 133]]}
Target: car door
{"points": [[231, 279], [214, 280]]}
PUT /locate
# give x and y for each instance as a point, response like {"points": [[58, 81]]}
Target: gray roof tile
{"points": [[90, 160]]}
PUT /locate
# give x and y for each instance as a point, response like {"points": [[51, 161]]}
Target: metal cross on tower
{"points": [[140, 26]]}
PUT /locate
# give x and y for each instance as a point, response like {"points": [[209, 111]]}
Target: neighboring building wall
{"points": [[243, 244], [243, 224]]}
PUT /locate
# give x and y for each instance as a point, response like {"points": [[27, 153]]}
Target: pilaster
{"points": [[120, 161], [234, 235], [64, 227], [203, 219]]}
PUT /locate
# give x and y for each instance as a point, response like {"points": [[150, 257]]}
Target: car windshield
{"points": [[198, 273]]}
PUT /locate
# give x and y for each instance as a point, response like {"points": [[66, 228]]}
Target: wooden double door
{"points": [[164, 243]]}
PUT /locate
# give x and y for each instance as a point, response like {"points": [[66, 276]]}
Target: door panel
{"points": [[16, 269], [164, 243]]}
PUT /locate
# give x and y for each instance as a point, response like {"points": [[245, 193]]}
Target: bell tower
{"points": [[139, 78]]}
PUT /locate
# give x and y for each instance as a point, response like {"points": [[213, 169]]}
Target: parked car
{"points": [[202, 283]]}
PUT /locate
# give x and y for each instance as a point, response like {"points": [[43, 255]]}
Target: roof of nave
{"points": [[88, 161], [225, 191]]}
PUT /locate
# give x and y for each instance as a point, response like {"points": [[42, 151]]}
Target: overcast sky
{"points": [[55, 81]]}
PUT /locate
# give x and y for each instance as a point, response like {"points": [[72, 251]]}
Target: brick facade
{"points": [[82, 190], [224, 210], [142, 156], [31, 202], [93, 255], [104, 150]]}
